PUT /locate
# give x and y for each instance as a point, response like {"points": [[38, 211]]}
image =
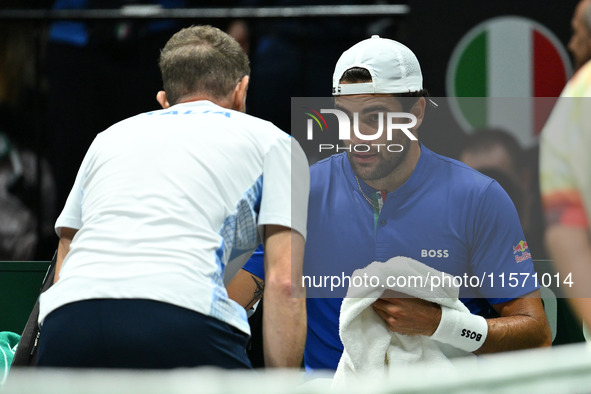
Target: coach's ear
{"points": [[239, 95], [161, 98]]}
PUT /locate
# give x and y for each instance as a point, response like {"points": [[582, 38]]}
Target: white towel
{"points": [[369, 346]]}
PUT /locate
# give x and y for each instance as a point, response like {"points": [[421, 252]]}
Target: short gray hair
{"points": [[201, 59]]}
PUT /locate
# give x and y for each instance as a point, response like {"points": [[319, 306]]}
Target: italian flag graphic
{"points": [[495, 70]]}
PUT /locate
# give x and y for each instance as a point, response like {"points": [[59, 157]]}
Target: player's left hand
{"points": [[407, 315]]}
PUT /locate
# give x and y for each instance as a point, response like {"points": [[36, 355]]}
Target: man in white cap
{"points": [[398, 198]]}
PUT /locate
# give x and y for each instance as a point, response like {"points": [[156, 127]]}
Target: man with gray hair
{"points": [[580, 41], [164, 205]]}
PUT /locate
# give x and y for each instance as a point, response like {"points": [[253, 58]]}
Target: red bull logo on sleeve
{"points": [[521, 252]]}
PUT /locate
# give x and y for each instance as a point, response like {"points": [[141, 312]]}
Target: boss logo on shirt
{"points": [[471, 335], [441, 253]]}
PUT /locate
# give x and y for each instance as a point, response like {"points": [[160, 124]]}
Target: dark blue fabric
{"points": [[131, 333], [256, 264]]}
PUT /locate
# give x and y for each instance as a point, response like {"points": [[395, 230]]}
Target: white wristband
{"points": [[462, 330]]}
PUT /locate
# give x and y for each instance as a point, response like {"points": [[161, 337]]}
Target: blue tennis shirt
{"points": [[446, 215]]}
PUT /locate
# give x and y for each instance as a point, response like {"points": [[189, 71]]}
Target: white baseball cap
{"points": [[393, 67]]}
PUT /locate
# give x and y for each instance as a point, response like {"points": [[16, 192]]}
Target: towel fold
{"points": [[8, 343], [369, 346]]}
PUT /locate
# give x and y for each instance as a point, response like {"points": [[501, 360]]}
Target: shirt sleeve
{"points": [[256, 264], [71, 215], [500, 255], [565, 162], [286, 185]]}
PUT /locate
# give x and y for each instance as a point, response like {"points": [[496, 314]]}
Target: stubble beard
{"points": [[387, 164]]}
